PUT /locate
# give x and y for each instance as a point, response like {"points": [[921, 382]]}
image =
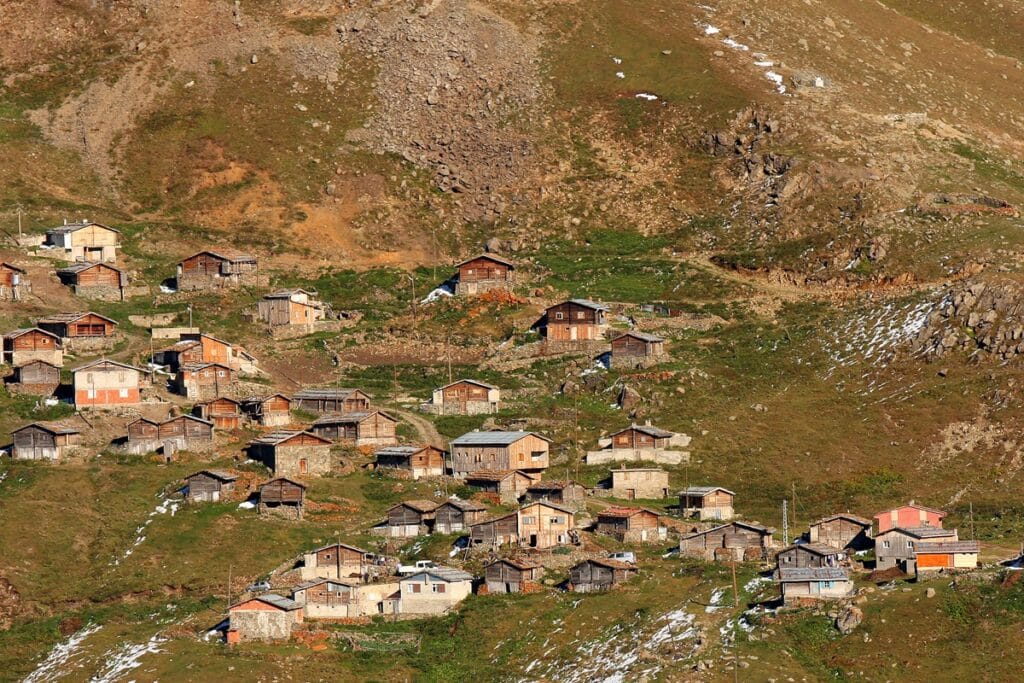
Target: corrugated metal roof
{"points": [[607, 562], [106, 361], [791, 574], [351, 418], [517, 563], [417, 505], [277, 437], [703, 491], [223, 475], [587, 303], [923, 531], [447, 574], [816, 548], [86, 265], [477, 382], [14, 334], [340, 393], [491, 257], [278, 601], [227, 254], [495, 438], [399, 451], [52, 427], [72, 317], [624, 512], [945, 547], [648, 429], [641, 336], [75, 227], [844, 515], [341, 545]]}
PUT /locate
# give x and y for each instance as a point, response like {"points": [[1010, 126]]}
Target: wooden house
{"points": [[706, 502], [417, 461], [640, 443], [411, 518], [209, 486], [565, 492], [897, 547], [334, 599], [464, 397], [507, 485], [637, 437], [373, 428], [598, 574], [738, 541], [14, 282], [205, 348], [268, 617], [455, 515], [44, 441], [802, 555], [575, 320], [225, 413], [483, 273], [80, 329], [223, 268], [934, 556], [204, 381], [510, 575], [536, 525], [84, 241], [107, 384], [95, 280], [909, 516], [844, 531], [268, 411], [291, 307], [634, 349], [330, 401], [176, 433], [434, 591], [29, 344], [293, 453], [337, 561], [499, 450], [283, 497], [808, 585], [34, 377], [635, 483], [631, 525]]}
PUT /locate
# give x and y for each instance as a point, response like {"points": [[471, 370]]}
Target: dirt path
{"points": [[425, 428]]}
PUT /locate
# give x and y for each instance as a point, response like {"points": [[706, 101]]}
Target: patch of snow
{"points": [[167, 290], [764, 63], [50, 669], [729, 42], [710, 30], [715, 600], [443, 291], [619, 74], [650, 97], [776, 79], [166, 506], [756, 583], [126, 658], [616, 60], [246, 505]]}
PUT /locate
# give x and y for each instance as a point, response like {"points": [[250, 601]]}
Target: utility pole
{"points": [[190, 316], [229, 584], [785, 523], [448, 353], [19, 220], [735, 587], [972, 520], [576, 434]]}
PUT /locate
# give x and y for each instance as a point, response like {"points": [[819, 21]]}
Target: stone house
{"points": [[266, 617], [282, 497], [332, 401], [636, 483], [34, 377], [434, 591], [84, 331], [14, 283], [631, 525], [508, 485], [482, 274], [739, 541], [636, 350], [896, 547], [464, 397], [803, 555], [946, 556], [536, 525], [411, 518], [176, 433], [225, 413], [84, 241], [44, 441], [334, 599], [337, 561], [573, 321], [909, 516], [223, 268], [373, 428], [808, 585], [843, 530], [107, 384], [30, 344], [510, 575], [291, 307], [204, 381], [598, 574], [209, 486], [499, 451], [100, 281], [566, 492], [417, 461], [456, 515], [268, 411], [293, 453], [706, 502]]}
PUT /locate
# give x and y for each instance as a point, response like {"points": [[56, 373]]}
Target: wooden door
{"points": [[303, 466]]}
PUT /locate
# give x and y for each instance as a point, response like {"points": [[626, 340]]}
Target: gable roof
{"points": [[464, 505], [7, 264], [641, 336], [514, 562], [339, 393], [820, 549], [341, 545], [306, 585], [552, 485], [494, 438], [73, 317], [548, 503], [277, 601], [704, 491], [763, 530], [844, 515], [106, 361], [417, 505], [477, 382], [224, 253], [195, 367], [14, 334], [75, 227], [277, 479], [38, 361], [489, 257], [646, 429], [586, 303], [446, 574], [223, 475], [794, 574], [497, 475], [280, 436], [403, 451], [288, 293], [351, 418], [608, 562], [172, 418], [947, 547], [915, 506], [76, 268], [264, 399], [55, 428], [921, 532], [620, 512]]}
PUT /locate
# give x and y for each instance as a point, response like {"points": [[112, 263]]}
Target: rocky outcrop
{"points": [[979, 318]]}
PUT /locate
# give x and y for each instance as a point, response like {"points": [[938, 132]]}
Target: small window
{"points": [[437, 588], [580, 315], [556, 520], [123, 393], [910, 544], [558, 315], [885, 544], [528, 519], [220, 373], [537, 455], [120, 377], [415, 588]]}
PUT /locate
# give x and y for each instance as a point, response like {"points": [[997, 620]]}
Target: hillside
{"points": [[815, 203]]}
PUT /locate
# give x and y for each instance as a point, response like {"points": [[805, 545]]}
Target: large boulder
{"points": [[849, 619]]}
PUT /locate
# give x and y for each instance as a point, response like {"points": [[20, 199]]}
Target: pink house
{"points": [[909, 516]]}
